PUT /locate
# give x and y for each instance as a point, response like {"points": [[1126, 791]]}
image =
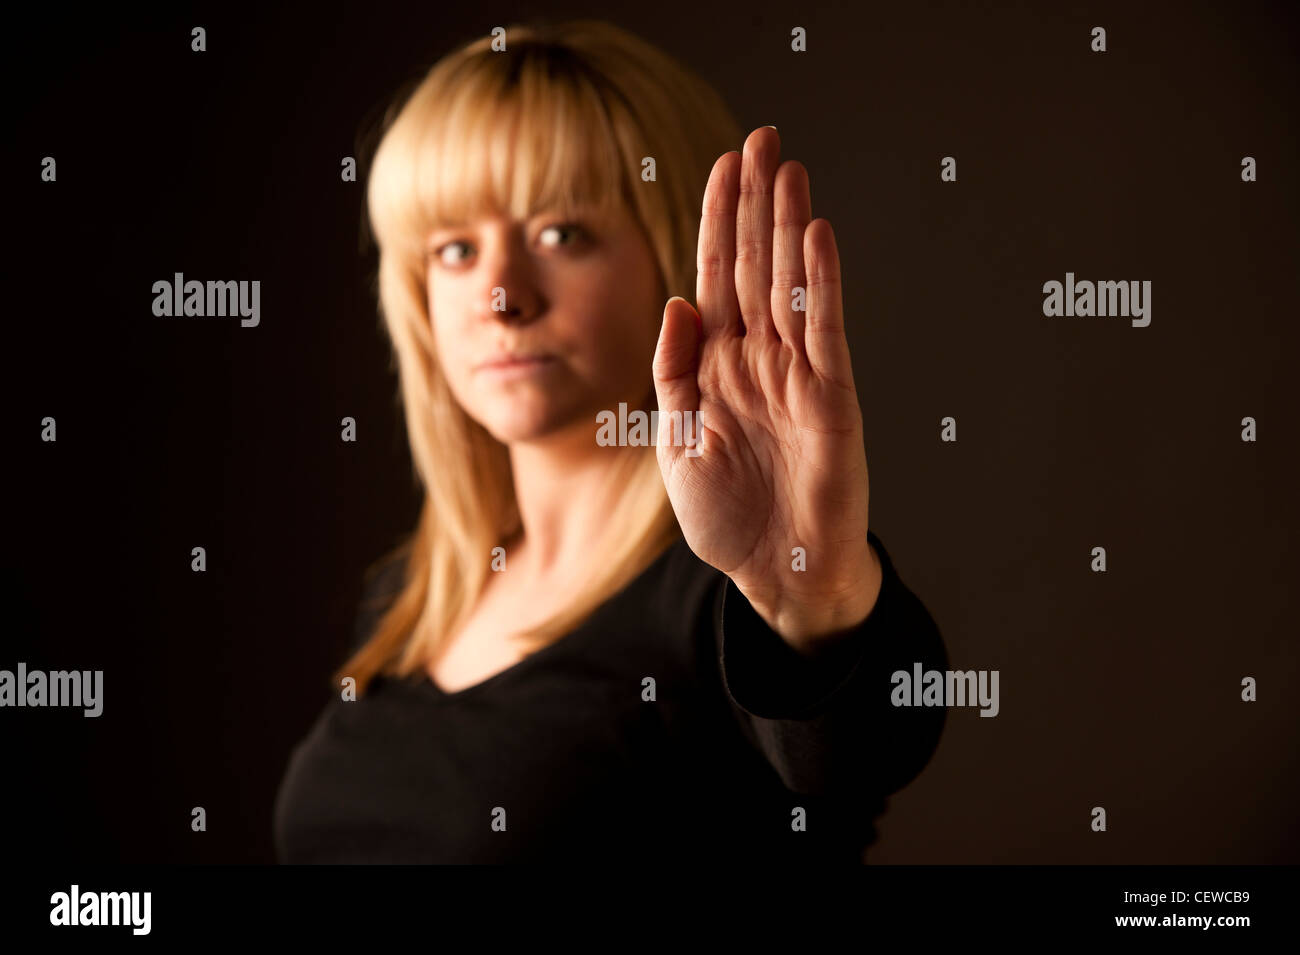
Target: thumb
{"points": [[674, 368]]}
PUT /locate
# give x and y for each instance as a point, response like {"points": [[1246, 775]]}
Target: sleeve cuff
{"points": [[769, 679]]}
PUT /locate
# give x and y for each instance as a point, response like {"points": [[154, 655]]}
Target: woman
{"points": [[592, 648]]}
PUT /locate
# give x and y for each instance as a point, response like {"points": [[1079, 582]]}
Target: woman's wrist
{"points": [[811, 626]]}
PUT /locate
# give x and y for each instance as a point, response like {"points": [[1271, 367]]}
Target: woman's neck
{"points": [[566, 487]]}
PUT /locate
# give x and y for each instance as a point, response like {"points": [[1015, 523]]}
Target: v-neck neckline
{"points": [[427, 685], [430, 686]]}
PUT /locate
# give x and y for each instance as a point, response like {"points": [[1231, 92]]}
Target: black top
{"points": [[745, 751]]}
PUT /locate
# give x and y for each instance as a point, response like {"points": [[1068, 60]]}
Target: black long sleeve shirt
{"points": [[749, 751]]}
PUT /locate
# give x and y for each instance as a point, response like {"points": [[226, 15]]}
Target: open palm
{"points": [[780, 462]]}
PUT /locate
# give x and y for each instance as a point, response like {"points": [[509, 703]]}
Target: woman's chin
{"points": [[516, 429]]}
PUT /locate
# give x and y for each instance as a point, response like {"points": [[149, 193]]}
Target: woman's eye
{"points": [[572, 230], [560, 235], [442, 252]]}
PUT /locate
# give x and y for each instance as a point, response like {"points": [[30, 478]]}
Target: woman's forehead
{"points": [[509, 167]]}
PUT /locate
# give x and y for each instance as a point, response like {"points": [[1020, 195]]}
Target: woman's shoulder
{"points": [[380, 584], [385, 576], [679, 579], [676, 578]]}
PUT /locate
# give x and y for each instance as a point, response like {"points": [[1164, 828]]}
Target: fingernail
{"points": [[769, 127]]}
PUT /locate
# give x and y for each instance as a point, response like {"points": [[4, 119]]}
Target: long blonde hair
{"points": [[588, 102]]}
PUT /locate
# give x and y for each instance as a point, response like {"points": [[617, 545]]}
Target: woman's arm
{"points": [[825, 722], [760, 431]]}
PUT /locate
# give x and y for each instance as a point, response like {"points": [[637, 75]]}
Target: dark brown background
{"points": [[1118, 689]]}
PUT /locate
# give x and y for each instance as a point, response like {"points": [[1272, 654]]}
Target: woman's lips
{"points": [[516, 366]]}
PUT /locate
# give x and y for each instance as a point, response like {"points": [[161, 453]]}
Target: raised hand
{"points": [[780, 462]]}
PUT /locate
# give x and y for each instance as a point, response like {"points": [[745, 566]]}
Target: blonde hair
{"points": [[586, 102]]}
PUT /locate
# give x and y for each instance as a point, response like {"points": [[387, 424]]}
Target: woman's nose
{"points": [[510, 294]]}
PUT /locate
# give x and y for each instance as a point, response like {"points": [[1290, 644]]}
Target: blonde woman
{"points": [[612, 641]]}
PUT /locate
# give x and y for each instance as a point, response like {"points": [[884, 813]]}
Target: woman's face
{"points": [[541, 324]]}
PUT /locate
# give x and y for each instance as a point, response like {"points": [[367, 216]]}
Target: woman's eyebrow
{"points": [[436, 234], [442, 225], [587, 211], [555, 212]]}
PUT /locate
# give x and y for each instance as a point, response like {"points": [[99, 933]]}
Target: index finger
{"points": [[715, 258]]}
